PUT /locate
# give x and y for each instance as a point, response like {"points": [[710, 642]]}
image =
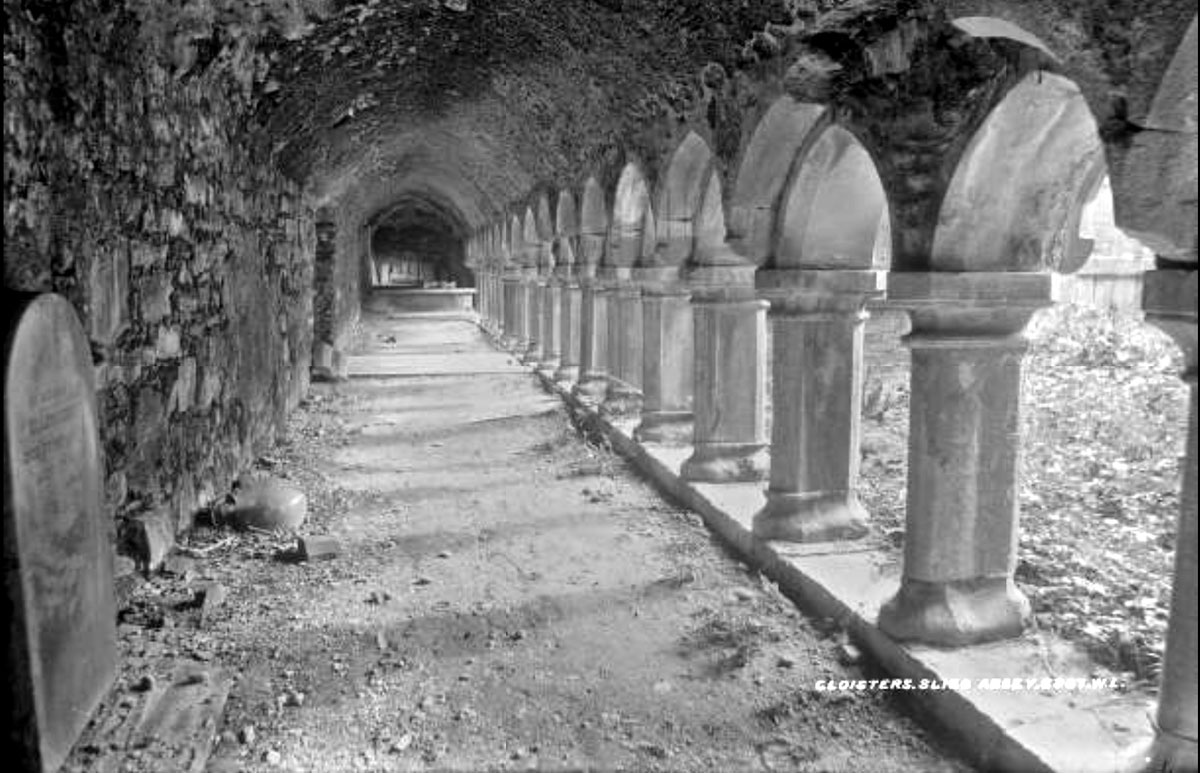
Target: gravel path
{"points": [[507, 598]]}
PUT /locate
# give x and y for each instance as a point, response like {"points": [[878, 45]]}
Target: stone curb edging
{"points": [[1002, 730]]}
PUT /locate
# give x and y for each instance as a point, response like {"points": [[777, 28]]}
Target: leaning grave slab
{"points": [[62, 652]]}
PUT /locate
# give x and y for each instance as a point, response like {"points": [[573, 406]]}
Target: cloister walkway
{"points": [[510, 597]]}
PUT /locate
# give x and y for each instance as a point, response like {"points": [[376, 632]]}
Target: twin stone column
{"points": [[729, 364], [817, 322], [667, 357], [569, 321], [961, 531]]}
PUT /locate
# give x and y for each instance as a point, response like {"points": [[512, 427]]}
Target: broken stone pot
{"points": [[266, 503]]}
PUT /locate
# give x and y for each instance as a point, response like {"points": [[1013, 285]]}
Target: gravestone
{"points": [[61, 655]]}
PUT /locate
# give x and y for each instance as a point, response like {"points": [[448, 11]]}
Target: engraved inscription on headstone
{"points": [[58, 563]]}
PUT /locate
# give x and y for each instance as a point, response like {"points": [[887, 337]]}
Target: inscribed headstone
{"points": [[61, 656]]}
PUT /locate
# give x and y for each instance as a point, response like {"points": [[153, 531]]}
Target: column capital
{"points": [[715, 284], [613, 274], [808, 291], [660, 281], [1170, 302], [980, 289], [968, 308]]}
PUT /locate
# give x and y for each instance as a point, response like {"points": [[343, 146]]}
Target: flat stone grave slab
{"points": [[62, 653]]}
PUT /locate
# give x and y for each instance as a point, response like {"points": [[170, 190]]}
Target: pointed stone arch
{"points": [[516, 238], [834, 210], [1155, 180], [679, 198], [566, 227], [631, 201], [593, 224], [1018, 179], [763, 172]]}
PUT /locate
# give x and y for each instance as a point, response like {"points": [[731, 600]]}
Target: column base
{"points": [[530, 354], [548, 366], [1166, 753], [621, 399], [566, 373], [955, 613], [665, 427], [726, 463], [591, 387], [811, 517]]}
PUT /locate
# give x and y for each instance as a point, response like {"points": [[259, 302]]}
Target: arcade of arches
{"points": [[634, 192]]}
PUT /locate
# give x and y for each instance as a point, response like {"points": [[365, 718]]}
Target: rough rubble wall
{"points": [[130, 189]]}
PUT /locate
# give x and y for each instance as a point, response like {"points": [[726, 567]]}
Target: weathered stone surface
{"points": [[178, 725], [141, 199], [817, 322], [61, 655], [149, 537], [268, 503], [667, 365], [964, 457], [318, 547], [730, 388]]}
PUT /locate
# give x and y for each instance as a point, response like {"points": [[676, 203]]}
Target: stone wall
{"points": [[132, 187]]}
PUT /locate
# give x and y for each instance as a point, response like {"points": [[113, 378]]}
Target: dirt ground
{"points": [[507, 597]]}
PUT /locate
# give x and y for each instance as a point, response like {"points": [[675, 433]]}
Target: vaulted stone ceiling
{"points": [[470, 104]]}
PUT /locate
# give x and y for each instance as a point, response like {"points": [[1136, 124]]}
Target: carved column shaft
{"points": [[817, 324], [1170, 301], [668, 356], [514, 324], [593, 377], [730, 333], [531, 317], [570, 325], [551, 309]]}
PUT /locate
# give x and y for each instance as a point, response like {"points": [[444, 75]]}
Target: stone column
{"points": [[593, 359], [513, 323], [613, 279], [479, 301], [495, 301], [730, 336], [483, 296], [570, 321], [817, 325], [624, 344], [1169, 300], [531, 295], [667, 362], [551, 309], [964, 448], [629, 296]]}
